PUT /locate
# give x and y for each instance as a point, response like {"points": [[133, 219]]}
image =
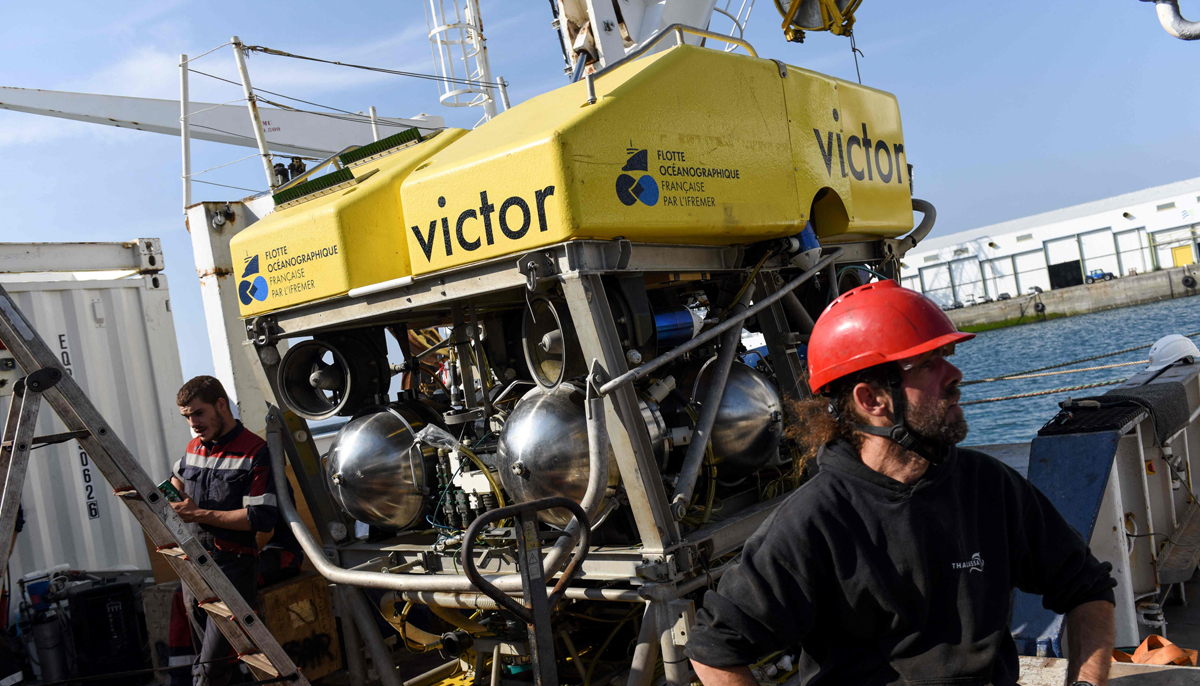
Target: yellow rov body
{"points": [[688, 146]]}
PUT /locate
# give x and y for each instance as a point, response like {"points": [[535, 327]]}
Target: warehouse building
{"points": [[1134, 233]]}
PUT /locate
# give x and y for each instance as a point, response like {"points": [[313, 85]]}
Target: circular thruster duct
{"points": [[549, 343], [318, 379]]}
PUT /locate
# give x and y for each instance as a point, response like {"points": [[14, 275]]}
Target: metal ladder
{"points": [[45, 379]]}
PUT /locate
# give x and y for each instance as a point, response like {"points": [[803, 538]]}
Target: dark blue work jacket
{"points": [[230, 473]]}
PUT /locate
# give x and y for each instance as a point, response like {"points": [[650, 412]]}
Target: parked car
{"points": [[1035, 289], [985, 299], [956, 306], [1098, 275], [1003, 296]]}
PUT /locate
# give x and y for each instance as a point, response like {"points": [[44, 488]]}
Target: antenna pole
{"points": [[374, 123], [185, 132], [500, 86], [252, 105]]}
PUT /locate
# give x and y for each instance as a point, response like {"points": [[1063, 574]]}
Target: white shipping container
{"points": [[117, 340]]}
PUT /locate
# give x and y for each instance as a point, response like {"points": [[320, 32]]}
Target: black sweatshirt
{"points": [[883, 583]]}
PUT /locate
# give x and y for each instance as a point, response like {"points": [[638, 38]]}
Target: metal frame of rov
{"points": [[669, 561]]}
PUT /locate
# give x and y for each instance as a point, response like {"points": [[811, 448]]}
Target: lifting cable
{"points": [[1014, 377], [416, 75], [222, 185], [350, 116], [193, 59]]}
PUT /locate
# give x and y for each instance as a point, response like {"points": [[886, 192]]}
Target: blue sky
{"points": [[1009, 109]]}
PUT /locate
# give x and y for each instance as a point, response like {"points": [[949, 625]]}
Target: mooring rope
{"points": [[1049, 392], [1061, 371], [1028, 373]]}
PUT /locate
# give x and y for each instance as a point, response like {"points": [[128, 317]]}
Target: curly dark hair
{"points": [[812, 425]]}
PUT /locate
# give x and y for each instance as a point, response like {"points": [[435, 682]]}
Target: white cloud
{"points": [[144, 73], [145, 12]]}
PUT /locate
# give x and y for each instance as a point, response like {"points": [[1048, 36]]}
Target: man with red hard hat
{"points": [[896, 562]]}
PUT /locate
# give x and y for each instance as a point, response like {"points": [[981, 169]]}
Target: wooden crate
{"points": [[299, 616]]}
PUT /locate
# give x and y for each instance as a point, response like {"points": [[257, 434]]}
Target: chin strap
{"points": [[899, 432]]}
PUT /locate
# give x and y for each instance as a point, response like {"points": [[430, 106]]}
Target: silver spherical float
{"points": [[543, 449], [749, 421], [378, 472]]}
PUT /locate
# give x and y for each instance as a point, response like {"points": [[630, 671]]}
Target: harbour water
{"points": [[1020, 348]]}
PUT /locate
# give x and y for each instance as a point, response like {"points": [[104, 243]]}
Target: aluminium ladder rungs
{"points": [[217, 608], [260, 662], [249, 637]]}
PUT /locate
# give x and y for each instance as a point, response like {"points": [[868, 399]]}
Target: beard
{"points": [[934, 424]]}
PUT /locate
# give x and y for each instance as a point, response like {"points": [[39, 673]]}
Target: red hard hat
{"points": [[873, 324]]}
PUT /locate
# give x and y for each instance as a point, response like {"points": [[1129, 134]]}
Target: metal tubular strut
{"points": [[685, 483]]}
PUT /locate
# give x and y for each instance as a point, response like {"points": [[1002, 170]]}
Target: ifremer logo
{"points": [[252, 289], [645, 188]]}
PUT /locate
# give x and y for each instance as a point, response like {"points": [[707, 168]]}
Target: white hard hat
{"points": [[1169, 349]]}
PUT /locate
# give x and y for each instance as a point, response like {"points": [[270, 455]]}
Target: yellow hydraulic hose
{"points": [[457, 619], [421, 639]]}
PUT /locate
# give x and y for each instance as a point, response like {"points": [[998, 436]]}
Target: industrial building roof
{"points": [[1116, 202]]}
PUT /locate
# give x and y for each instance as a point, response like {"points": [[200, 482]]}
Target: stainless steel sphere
{"points": [[375, 471], [543, 449], [749, 422]]}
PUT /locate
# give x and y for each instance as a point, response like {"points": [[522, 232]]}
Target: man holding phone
{"points": [[227, 496]]}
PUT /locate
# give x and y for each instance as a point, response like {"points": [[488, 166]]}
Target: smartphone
{"points": [[168, 489]]}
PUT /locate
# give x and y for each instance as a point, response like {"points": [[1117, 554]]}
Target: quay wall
{"points": [[1125, 291]]}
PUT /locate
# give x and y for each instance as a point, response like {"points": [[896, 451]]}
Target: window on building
{"points": [[1024, 237], [1166, 206], [931, 258]]}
